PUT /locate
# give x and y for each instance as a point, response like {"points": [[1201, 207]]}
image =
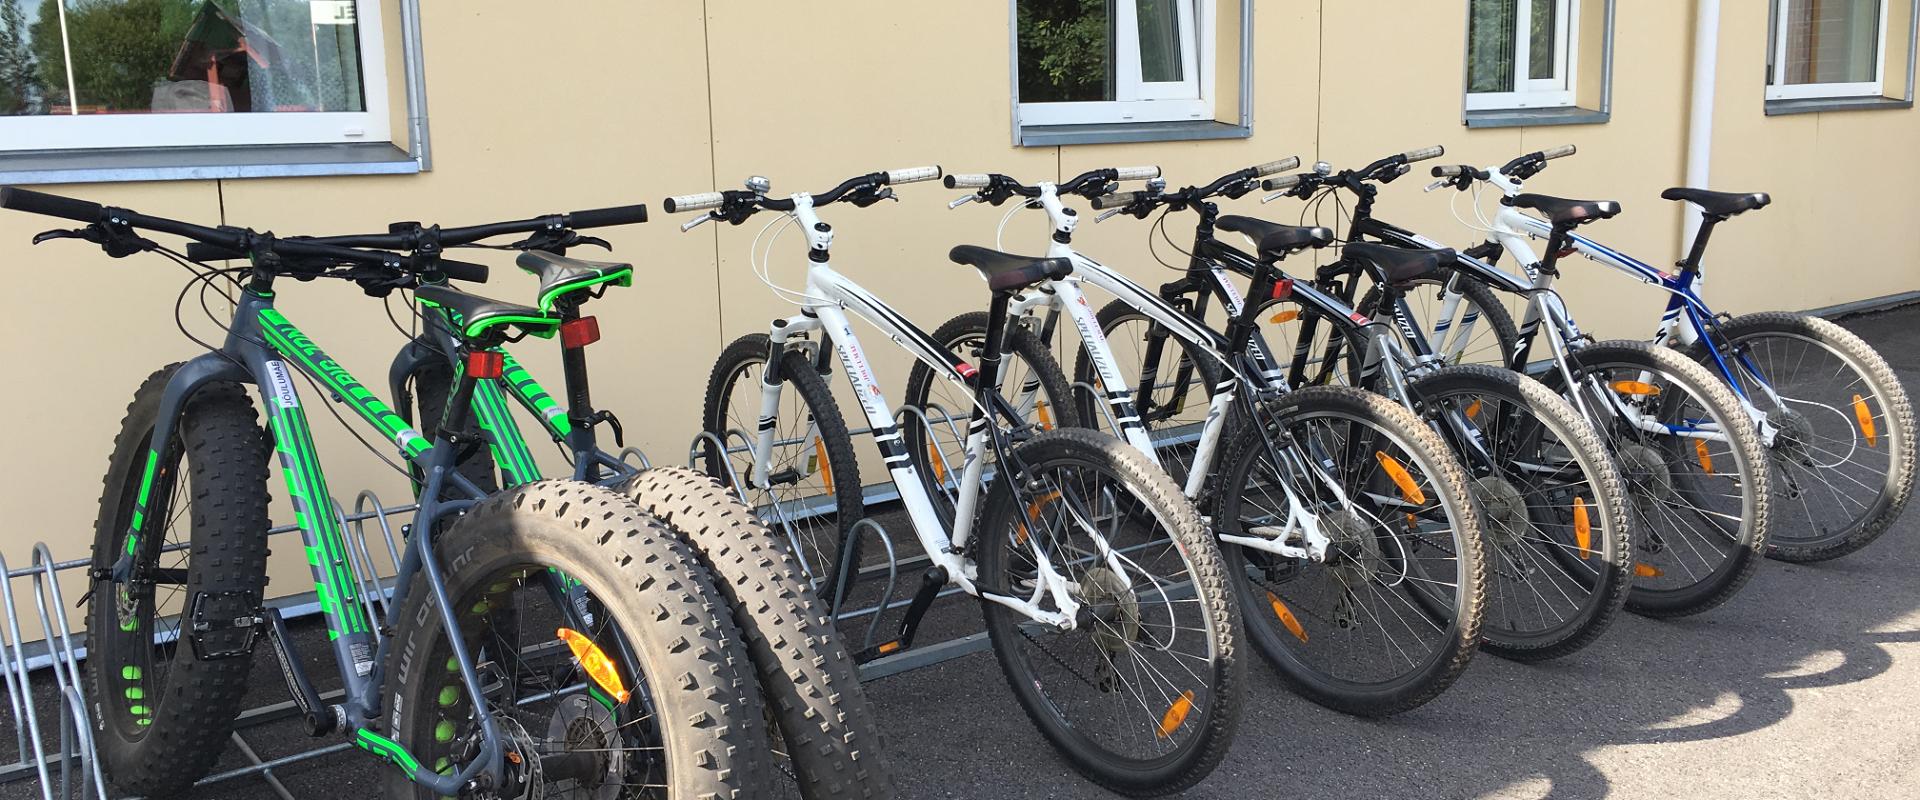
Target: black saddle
{"points": [[1276, 241], [560, 274], [475, 316], [1718, 204], [1394, 265], [1006, 272], [1561, 211]]}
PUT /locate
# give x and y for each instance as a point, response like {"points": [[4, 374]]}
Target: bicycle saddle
{"points": [[1396, 265], [1561, 211], [478, 315], [1718, 204], [560, 274], [1275, 240], [1006, 272]]}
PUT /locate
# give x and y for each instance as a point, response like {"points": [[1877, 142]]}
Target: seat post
{"points": [[1692, 262]]}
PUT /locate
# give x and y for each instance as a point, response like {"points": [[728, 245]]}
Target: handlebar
{"points": [[1231, 185], [1529, 165], [693, 202], [1093, 184], [735, 206]]}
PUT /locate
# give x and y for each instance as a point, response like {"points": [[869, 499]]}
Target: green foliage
{"points": [[1065, 50], [19, 84]]}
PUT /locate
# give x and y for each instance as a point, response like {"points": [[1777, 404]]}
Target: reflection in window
{"points": [[173, 56]]}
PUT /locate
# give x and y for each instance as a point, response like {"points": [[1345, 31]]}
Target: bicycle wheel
{"points": [[163, 713], [1843, 454], [432, 384], [811, 494], [1172, 398], [670, 708], [1491, 338], [1558, 542], [1393, 614], [827, 737], [1283, 325], [1693, 466], [1033, 384], [1143, 696]]}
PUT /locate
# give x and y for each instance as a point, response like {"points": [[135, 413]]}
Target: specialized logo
{"points": [[280, 384]]}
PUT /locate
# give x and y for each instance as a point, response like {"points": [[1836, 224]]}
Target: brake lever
{"points": [[1443, 182], [698, 221], [963, 201], [1275, 196], [58, 233], [1108, 213]]}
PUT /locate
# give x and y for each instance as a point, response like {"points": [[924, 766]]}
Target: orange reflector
{"points": [[1408, 489], [820, 463], [1176, 714], [1033, 514], [1865, 417], [938, 461], [1582, 529], [596, 664], [1647, 571], [1046, 416], [1286, 617], [1706, 458], [890, 647], [1288, 315], [1473, 409], [1636, 388]]}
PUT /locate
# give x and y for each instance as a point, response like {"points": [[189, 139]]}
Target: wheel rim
{"points": [[800, 503]]}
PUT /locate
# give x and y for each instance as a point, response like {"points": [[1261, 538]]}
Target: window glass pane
{"points": [[1160, 41], [1541, 63], [21, 89], [1490, 45], [1066, 50], [1832, 41], [157, 56]]}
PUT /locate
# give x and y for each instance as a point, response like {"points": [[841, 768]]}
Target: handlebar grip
{"points": [[604, 217], [1106, 201], [1557, 152], [1448, 171], [468, 271], [912, 175], [1281, 183], [52, 205], [1272, 167], [693, 202], [968, 180], [1424, 153], [203, 252], [1136, 173]]}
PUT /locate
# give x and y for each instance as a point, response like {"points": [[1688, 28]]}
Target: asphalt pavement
{"points": [[1805, 685]]}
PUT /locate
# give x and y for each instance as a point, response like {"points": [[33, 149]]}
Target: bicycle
{"points": [[1820, 396], [1128, 672], [1310, 554], [827, 743], [1665, 420], [642, 687]]}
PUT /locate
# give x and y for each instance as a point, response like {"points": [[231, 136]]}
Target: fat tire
{"points": [[697, 669], [811, 684], [226, 451]]}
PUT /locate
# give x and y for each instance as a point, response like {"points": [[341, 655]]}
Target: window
{"points": [[171, 73], [1521, 53], [1114, 61], [1827, 48]]}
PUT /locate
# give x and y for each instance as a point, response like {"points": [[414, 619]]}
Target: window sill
{"points": [[205, 163], [1814, 105], [1523, 117], [1124, 132]]}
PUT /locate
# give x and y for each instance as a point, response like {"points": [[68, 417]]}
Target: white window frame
{"points": [[1136, 100], [1555, 92], [76, 131], [1779, 89]]}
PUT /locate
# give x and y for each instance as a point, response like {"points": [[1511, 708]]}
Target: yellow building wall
{"points": [[629, 102]]}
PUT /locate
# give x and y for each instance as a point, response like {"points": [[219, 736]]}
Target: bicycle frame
{"points": [[259, 347], [829, 298]]}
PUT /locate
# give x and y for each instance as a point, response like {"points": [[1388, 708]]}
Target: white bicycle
{"points": [[1105, 598]]}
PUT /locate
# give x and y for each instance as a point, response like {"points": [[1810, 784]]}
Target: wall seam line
{"points": [[713, 172]]}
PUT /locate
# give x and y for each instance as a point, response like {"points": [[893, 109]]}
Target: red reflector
{"points": [[578, 333], [1282, 289], [966, 370], [485, 364]]}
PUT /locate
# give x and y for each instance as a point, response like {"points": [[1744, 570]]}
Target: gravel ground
{"points": [[1803, 686]]}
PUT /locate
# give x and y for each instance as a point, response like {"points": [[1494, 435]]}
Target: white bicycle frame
{"points": [[1066, 297], [829, 298]]}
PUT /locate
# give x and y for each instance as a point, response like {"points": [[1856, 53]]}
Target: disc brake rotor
{"points": [[587, 729]]}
